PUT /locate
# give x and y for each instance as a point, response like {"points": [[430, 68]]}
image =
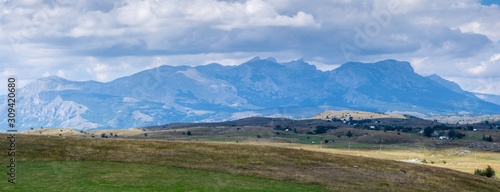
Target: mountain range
{"points": [[258, 87]]}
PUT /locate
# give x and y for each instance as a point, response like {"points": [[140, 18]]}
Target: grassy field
{"points": [[116, 176], [356, 115], [329, 169]]}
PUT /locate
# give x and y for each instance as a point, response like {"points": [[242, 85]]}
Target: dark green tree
{"points": [[188, 133], [452, 133], [489, 172], [428, 131], [349, 134], [470, 128]]}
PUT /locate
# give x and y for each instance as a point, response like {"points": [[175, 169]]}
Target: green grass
{"points": [[332, 171], [115, 176]]}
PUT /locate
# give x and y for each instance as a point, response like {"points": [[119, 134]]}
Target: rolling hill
{"points": [[336, 172]]}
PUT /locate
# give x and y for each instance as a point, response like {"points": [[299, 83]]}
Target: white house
{"points": [[443, 137]]}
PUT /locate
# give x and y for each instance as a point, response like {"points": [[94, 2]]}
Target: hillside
{"points": [[356, 115], [466, 119], [333, 172]]}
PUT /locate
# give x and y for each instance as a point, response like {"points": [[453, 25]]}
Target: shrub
{"points": [[488, 172], [424, 161], [428, 131], [452, 133], [349, 134], [403, 170], [460, 135], [444, 162], [470, 128], [188, 133], [258, 136], [489, 139], [323, 129]]}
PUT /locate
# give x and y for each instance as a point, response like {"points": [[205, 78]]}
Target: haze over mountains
{"points": [[259, 87]]}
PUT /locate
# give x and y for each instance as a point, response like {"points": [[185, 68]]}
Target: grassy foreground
{"points": [[114, 176], [330, 171]]}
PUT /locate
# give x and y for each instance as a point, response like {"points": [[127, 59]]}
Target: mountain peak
{"points": [[54, 78], [448, 84], [385, 65], [400, 65], [272, 59], [300, 65], [257, 58]]}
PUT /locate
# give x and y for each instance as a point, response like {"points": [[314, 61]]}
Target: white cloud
{"points": [[109, 39]]}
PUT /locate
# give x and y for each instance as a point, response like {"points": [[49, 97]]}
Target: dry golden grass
{"points": [[53, 131], [332, 171], [356, 115], [461, 159]]}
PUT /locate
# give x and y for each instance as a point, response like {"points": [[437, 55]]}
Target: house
{"points": [[443, 138], [372, 127]]}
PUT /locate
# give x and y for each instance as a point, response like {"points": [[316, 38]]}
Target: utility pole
{"points": [[349, 148], [380, 145], [424, 152]]}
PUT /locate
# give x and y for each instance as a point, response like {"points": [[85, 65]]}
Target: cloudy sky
{"points": [[102, 40]]}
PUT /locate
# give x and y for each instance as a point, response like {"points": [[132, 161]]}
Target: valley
{"points": [[388, 157]]}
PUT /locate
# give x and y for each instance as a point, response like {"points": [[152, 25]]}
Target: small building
{"points": [[372, 127], [444, 138]]}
